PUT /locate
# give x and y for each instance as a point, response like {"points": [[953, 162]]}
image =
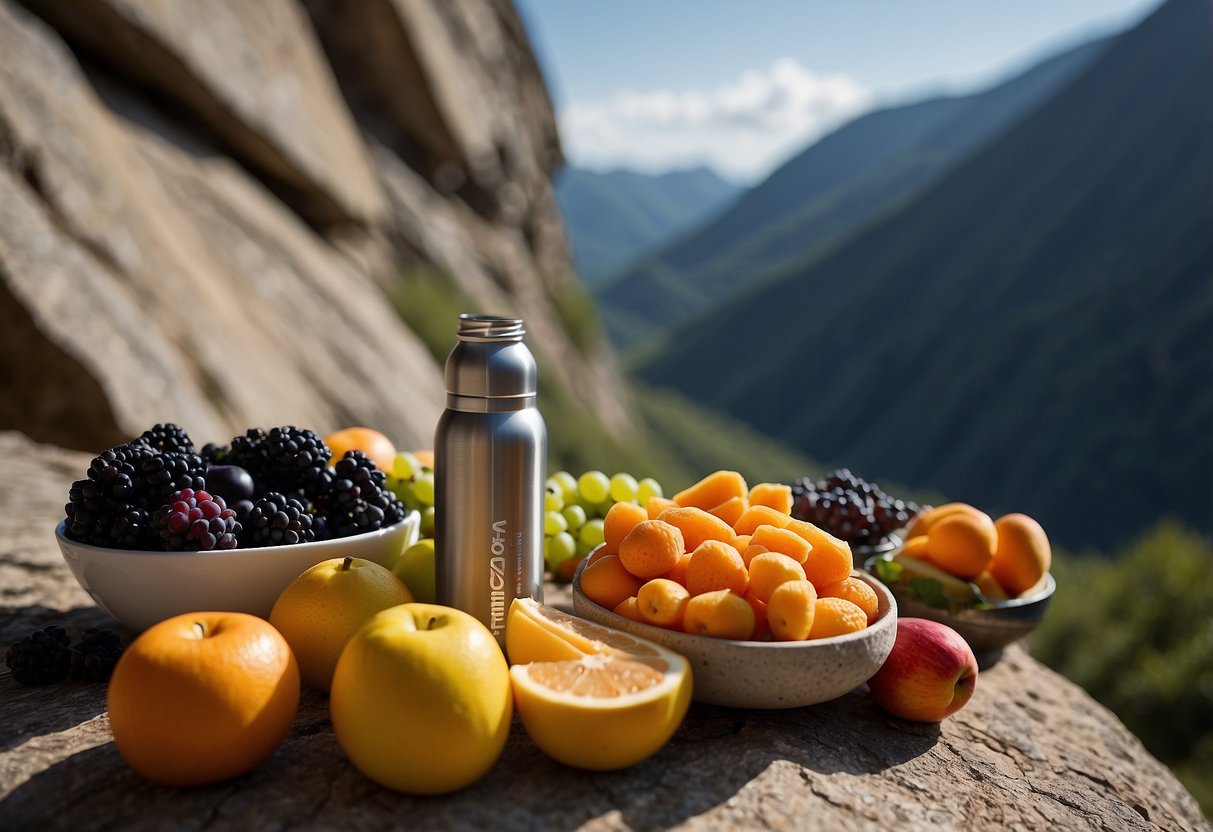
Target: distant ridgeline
{"points": [[1006, 297]]}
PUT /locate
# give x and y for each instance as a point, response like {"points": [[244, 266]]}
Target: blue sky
{"points": [[743, 84]]}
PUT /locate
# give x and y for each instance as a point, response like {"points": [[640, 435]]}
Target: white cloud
{"points": [[743, 128]]}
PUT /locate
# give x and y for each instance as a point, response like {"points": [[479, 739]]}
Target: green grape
{"points": [[427, 521], [595, 486], [591, 532], [405, 466], [623, 488], [423, 488], [583, 548], [559, 548], [553, 499], [601, 509], [568, 484], [647, 488], [554, 523], [405, 493], [575, 516]]}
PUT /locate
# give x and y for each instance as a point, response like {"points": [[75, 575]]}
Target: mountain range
{"points": [[1030, 330], [834, 187], [614, 217]]}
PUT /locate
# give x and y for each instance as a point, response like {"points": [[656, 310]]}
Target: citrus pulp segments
{"points": [[609, 731], [535, 633]]}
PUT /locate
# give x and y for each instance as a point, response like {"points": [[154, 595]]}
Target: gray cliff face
{"points": [[203, 208]]}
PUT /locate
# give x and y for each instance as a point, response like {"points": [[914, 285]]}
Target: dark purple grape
{"points": [[231, 482]]}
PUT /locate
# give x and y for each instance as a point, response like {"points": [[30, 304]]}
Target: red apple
{"points": [[929, 675]]}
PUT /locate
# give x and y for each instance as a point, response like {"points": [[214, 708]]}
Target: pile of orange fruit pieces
{"points": [[725, 560]]}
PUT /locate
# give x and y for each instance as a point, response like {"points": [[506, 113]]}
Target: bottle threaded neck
{"points": [[490, 328]]}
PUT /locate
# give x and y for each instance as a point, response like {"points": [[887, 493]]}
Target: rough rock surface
{"points": [[199, 227], [1031, 751]]}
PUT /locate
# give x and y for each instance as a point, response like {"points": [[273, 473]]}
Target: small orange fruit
{"points": [[857, 592], [762, 630], [1023, 554], [713, 490], [630, 608], [770, 569], [752, 551], [202, 697], [679, 573], [924, 520], [716, 565], [663, 602], [607, 582], [368, 440], [829, 559], [720, 614], [837, 617], [656, 505], [783, 541], [963, 544], [697, 526], [620, 519], [756, 516], [772, 495], [730, 509], [651, 548], [916, 547], [791, 610]]}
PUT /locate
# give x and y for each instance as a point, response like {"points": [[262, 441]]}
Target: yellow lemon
{"points": [[320, 610], [421, 699], [605, 699]]}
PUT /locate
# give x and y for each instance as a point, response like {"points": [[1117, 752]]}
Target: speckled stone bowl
{"points": [[142, 588], [760, 674]]}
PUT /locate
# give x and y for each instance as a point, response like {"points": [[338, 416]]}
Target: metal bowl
{"points": [[987, 629]]}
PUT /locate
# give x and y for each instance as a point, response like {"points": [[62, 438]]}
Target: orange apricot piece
{"points": [[697, 526], [620, 519], [720, 614], [607, 583], [783, 541], [629, 608], [663, 602], [857, 592], [651, 548], [756, 516], [791, 609], [716, 565], [772, 495], [829, 559], [730, 509], [656, 505], [836, 617], [713, 490]]}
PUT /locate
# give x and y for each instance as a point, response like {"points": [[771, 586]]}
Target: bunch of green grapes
{"points": [[574, 508], [413, 483]]}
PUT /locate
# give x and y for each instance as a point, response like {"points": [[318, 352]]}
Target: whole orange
{"points": [[202, 697], [368, 440], [963, 544], [1023, 554]]}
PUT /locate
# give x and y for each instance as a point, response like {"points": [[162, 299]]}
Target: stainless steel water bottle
{"points": [[490, 454]]}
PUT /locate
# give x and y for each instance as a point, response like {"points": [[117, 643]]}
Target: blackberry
{"points": [[357, 500], [195, 521], [213, 454], [167, 473], [296, 460], [277, 520], [167, 437], [41, 657], [849, 507], [92, 659], [248, 452], [106, 508]]}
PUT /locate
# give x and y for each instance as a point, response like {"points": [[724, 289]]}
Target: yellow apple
{"points": [[421, 699]]}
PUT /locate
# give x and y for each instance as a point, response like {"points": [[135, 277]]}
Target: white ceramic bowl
{"points": [[141, 588], [761, 674]]}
